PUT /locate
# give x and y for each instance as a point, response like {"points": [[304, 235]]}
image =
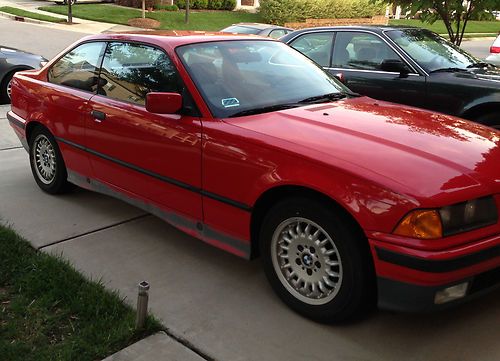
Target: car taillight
{"points": [[494, 49]]}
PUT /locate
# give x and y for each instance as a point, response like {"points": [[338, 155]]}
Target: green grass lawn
{"points": [[490, 27], [198, 20], [48, 311], [30, 14]]}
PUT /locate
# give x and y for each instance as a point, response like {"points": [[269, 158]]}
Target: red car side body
{"points": [[212, 177]]}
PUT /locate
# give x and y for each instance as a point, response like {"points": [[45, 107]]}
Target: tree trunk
{"points": [[187, 12], [70, 13], [143, 9]]}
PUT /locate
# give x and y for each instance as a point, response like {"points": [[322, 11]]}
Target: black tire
{"points": [[57, 183], [356, 293], [489, 119], [4, 97]]}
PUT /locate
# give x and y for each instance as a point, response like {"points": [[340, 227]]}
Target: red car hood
{"points": [[421, 154]]}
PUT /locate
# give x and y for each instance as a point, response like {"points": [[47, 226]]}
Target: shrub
{"points": [[199, 4], [283, 11], [135, 3], [229, 4], [207, 4], [181, 4], [166, 7], [215, 4]]}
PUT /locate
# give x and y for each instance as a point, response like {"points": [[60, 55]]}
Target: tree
{"points": [[454, 13]]}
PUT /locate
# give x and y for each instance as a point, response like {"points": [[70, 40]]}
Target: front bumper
{"points": [[409, 279], [407, 297]]}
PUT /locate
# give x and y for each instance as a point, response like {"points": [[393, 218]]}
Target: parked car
{"points": [[405, 65], [12, 60], [272, 31], [251, 147], [494, 57]]}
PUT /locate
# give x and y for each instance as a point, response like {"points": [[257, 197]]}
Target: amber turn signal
{"points": [[422, 224]]}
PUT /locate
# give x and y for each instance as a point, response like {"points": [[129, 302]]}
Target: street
{"points": [[218, 304], [479, 48], [35, 38]]}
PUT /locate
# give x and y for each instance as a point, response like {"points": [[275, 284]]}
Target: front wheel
{"points": [[5, 88], [47, 164], [315, 260]]}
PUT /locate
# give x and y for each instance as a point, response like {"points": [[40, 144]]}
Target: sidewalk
{"points": [[79, 25]]}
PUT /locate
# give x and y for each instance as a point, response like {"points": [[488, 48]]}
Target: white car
{"points": [[494, 57]]}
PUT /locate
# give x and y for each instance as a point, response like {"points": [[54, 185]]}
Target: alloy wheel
{"points": [[306, 261]]}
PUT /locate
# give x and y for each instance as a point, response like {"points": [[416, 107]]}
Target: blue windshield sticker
{"points": [[230, 102]]}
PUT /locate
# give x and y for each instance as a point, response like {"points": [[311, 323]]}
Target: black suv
{"points": [[405, 65]]}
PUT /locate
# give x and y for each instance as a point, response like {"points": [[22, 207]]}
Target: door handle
{"points": [[98, 115]]}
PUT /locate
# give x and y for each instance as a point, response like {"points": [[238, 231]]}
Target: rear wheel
{"points": [[47, 164], [315, 261]]}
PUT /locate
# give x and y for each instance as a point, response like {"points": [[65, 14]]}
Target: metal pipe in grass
{"points": [[142, 304]]}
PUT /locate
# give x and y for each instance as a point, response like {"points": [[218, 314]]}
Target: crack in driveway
{"points": [[95, 230]]}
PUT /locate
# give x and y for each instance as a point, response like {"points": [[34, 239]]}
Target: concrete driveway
{"points": [[220, 305]]}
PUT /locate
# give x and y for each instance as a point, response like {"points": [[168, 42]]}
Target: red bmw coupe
{"points": [[246, 144]]}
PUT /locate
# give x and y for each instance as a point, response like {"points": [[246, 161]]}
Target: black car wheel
{"points": [[47, 164], [5, 87], [315, 261]]}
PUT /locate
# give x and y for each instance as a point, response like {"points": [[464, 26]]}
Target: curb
{"points": [[25, 19]]}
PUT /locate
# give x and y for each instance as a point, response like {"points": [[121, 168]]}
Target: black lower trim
{"points": [[205, 232], [437, 266], [16, 122], [405, 297], [165, 179]]}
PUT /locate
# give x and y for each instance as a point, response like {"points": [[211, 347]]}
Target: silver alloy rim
{"points": [[306, 261], [9, 88], [45, 159]]}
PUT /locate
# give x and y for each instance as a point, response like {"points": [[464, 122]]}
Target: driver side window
{"points": [[361, 51]]}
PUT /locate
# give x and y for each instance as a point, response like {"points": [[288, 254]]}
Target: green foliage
{"points": [[207, 4], [229, 5], [30, 14], [199, 4], [200, 20], [454, 13], [215, 4], [49, 311], [166, 7], [283, 11]]}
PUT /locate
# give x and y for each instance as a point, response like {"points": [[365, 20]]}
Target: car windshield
{"points": [[431, 51], [249, 77], [241, 30]]}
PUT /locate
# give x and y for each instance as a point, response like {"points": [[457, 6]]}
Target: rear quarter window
{"points": [[79, 68]]}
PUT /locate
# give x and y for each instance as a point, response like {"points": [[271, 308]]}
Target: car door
{"points": [[153, 157], [72, 81], [361, 58]]}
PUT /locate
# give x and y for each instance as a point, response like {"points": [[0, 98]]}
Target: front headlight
{"points": [[446, 221]]}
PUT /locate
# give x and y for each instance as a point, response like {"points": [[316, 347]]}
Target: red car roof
{"points": [[175, 38]]}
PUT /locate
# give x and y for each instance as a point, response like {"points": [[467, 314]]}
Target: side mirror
{"points": [[340, 77], [395, 66], [163, 103]]}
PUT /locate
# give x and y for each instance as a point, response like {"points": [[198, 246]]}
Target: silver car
{"points": [[494, 57], [11, 61]]}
